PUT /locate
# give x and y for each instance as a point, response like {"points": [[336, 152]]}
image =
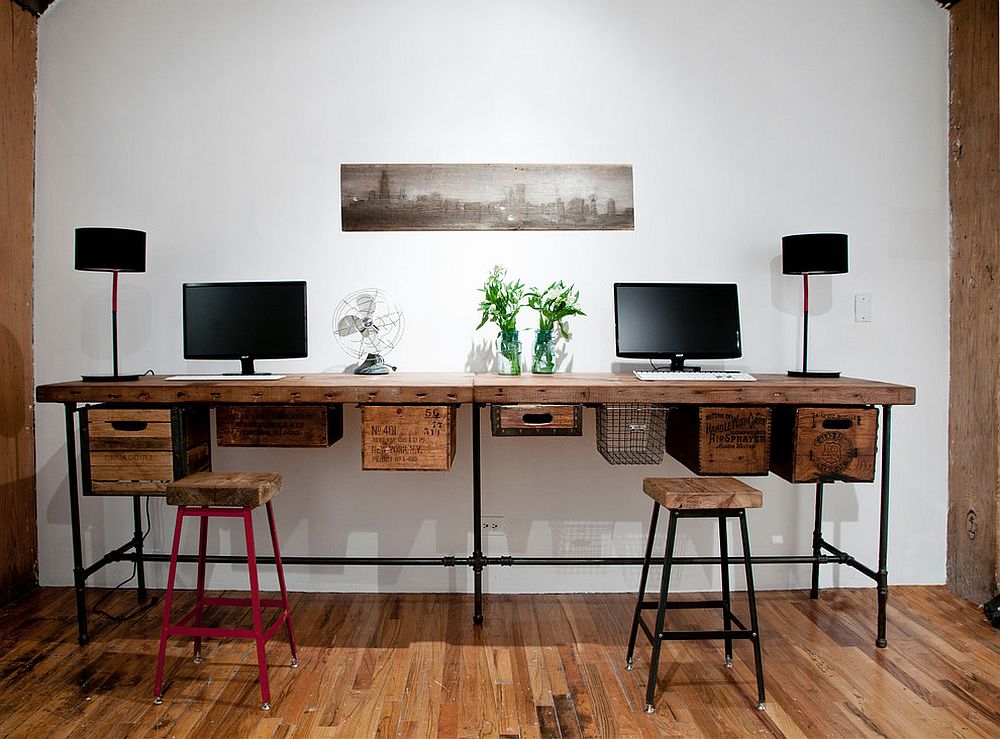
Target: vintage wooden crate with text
{"points": [[824, 444], [720, 440], [407, 437], [137, 451], [279, 425]]}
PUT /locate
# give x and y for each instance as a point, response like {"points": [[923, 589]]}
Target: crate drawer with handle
{"points": [[529, 419], [824, 444], [137, 451]]}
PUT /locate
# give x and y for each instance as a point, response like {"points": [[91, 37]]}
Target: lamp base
{"points": [[110, 378], [813, 373]]}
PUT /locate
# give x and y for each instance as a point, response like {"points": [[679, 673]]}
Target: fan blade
{"points": [[366, 305], [350, 325]]}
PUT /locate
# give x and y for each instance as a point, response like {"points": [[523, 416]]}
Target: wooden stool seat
{"points": [[701, 493], [235, 489]]}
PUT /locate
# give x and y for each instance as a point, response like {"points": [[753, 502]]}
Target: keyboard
{"points": [[668, 376], [213, 378]]}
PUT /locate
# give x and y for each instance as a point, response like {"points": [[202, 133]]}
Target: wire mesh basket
{"points": [[632, 433]]}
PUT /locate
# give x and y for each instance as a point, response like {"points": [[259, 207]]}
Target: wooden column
{"points": [[974, 431], [18, 535]]}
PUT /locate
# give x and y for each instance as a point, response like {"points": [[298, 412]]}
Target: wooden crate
{"points": [[407, 437], [720, 440], [137, 451], [279, 425], [824, 444], [532, 419]]}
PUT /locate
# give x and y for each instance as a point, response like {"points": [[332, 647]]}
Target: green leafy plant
{"points": [[502, 300], [555, 304]]}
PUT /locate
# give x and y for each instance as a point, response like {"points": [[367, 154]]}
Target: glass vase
{"points": [[509, 352], [543, 358]]}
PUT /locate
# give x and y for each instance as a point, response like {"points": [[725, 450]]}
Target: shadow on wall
{"points": [[481, 356]]}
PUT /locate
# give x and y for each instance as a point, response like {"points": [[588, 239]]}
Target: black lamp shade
{"points": [[814, 254], [110, 250]]}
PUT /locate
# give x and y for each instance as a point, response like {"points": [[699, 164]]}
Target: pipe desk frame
{"points": [[480, 391]]}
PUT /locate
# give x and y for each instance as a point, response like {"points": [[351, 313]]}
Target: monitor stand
{"points": [[677, 365], [246, 368]]}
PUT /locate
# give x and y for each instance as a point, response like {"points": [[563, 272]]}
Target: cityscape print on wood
{"points": [[486, 197]]}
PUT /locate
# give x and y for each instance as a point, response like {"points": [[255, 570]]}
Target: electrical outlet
{"points": [[493, 526], [863, 308]]}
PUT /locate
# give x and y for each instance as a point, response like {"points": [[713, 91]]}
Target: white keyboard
{"points": [[666, 375], [213, 378]]}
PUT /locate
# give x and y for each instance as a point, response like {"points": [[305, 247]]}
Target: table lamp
{"points": [[812, 254], [111, 250]]}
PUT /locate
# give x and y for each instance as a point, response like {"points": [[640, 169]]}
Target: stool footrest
{"points": [[182, 629], [264, 602], [227, 602], [742, 632], [707, 634], [652, 605]]}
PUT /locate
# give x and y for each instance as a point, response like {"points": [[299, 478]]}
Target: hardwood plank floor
{"points": [[542, 665]]}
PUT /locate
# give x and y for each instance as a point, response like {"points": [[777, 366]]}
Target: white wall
{"points": [[219, 128]]}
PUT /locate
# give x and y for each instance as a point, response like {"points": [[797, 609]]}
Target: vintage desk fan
{"points": [[368, 324]]}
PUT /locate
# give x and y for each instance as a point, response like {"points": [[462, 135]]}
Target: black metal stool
{"points": [[697, 497]]}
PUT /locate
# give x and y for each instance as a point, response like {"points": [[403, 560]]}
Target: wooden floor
{"points": [[414, 665]]}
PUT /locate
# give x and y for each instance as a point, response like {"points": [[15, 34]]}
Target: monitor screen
{"points": [[245, 321], [677, 321]]}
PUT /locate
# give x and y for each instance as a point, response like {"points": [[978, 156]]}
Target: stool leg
{"points": [[642, 585], [758, 660], [281, 583], [726, 606], [654, 660], [199, 596], [258, 620], [167, 603]]}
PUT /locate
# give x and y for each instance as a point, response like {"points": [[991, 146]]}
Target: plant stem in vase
{"points": [[509, 354], [543, 362]]}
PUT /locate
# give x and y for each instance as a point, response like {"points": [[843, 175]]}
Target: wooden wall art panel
{"points": [[486, 197]]}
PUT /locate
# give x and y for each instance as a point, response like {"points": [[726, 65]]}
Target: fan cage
{"points": [[632, 433], [357, 344]]}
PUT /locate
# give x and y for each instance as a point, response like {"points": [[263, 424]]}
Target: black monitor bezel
{"points": [[680, 355], [246, 283]]}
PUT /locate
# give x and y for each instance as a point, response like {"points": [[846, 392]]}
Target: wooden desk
{"points": [[479, 391], [605, 387]]}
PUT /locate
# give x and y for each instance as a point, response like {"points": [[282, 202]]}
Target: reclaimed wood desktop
{"points": [[479, 391]]}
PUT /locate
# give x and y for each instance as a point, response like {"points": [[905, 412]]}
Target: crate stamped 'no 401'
{"points": [[407, 437]]}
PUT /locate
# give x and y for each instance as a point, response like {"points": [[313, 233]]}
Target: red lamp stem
{"points": [[114, 323], [805, 322]]}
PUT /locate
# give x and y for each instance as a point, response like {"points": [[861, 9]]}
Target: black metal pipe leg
{"points": [[817, 541], [79, 578], [752, 602], [140, 567], [642, 585], [726, 608], [883, 532], [654, 660], [478, 560]]}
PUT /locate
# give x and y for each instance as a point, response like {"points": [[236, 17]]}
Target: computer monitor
{"points": [[677, 321], [245, 321]]}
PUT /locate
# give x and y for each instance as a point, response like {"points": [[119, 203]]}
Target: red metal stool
{"points": [[207, 495]]}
